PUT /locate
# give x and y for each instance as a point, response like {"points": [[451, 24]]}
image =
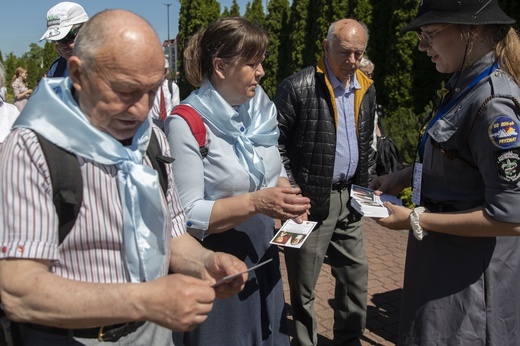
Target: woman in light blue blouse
{"points": [[232, 195]]}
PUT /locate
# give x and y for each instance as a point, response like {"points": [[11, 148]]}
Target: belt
{"points": [[341, 185], [438, 207], [107, 333]]}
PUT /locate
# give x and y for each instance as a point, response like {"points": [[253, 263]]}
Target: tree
{"points": [[235, 9], [255, 12], [49, 54], [318, 23], [361, 10], [297, 34], [276, 23], [194, 15]]}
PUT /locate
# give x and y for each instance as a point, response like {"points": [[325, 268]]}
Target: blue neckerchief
{"points": [[451, 104], [54, 114], [253, 122]]}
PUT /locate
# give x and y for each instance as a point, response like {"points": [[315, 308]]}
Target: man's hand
{"points": [[218, 265], [178, 302]]}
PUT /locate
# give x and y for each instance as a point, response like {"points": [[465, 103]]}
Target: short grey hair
{"points": [[366, 62], [332, 29], [91, 37]]}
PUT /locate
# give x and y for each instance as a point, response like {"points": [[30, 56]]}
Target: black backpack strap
{"points": [[67, 184], [159, 161]]}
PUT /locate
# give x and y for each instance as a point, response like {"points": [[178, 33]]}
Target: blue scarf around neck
{"points": [[54, 113], [252, 123]]}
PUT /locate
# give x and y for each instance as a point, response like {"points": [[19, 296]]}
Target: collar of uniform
{"points": [[460, 80]]}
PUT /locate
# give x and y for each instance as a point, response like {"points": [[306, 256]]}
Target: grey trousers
{"points": [[340, 238], [149, 334]]}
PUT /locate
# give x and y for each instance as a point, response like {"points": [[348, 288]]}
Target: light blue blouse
{"points": [[201, 182]]}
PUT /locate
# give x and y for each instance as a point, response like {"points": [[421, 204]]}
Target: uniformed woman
{"points": [[462, 273]]}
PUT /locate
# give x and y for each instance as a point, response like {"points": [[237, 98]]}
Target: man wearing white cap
{"points": [[63, 23], [165, 99]]}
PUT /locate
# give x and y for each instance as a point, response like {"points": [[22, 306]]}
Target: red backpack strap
{"points": [[194, 120]]}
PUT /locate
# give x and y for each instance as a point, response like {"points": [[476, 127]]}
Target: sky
{"points": [[23, 22]]}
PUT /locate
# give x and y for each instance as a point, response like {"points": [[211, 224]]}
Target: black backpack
{"points": [[67, 183], [387, 156]]}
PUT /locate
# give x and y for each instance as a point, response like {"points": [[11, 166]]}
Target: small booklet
{"points": [[293, 234], [368, 204]]}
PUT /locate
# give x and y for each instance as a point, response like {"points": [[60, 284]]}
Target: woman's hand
{"points": [[398, 219], [281, 202], [392, 184]]}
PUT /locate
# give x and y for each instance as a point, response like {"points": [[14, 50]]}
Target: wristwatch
{"points": [[418, 231]]}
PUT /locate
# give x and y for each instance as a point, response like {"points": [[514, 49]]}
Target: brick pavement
{"points": [[386, 253]]}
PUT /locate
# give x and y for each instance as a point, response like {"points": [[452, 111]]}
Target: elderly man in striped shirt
{"points": [[108, 280]]}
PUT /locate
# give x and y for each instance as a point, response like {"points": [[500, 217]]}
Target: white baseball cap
{"points": [[61, 18]]}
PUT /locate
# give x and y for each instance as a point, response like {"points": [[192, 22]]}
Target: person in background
{"points": [[8, 112], [326, 117], [3, 89], [172, 87], [232, 195], [20, 90], [64, 21], [164, 100], [462, 268], [108, 279], [367, 67]]}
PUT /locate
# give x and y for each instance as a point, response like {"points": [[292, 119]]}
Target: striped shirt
{"points": [[93, 251]]}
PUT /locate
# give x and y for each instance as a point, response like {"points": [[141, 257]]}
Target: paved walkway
{"points": [[386, 252]]}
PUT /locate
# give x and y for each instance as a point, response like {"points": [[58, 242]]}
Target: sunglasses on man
{"points": [[71, 36]]}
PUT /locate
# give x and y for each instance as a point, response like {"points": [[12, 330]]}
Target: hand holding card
{"points": [[231, 277]]}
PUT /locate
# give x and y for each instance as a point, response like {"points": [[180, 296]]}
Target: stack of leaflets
{"points": [[368, 204], [293, 234]]}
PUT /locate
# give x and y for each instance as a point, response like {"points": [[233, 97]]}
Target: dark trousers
{"points": [[340, 238]]}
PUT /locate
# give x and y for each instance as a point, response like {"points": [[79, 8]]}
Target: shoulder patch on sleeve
{"points": [[508, 165], [503, 132]]}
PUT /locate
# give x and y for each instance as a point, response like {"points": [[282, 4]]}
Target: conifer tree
{"points": [[194, 15], [234, 11], [255, 12], [297, 34], [396, 86], [276, 23], [318, 23]]}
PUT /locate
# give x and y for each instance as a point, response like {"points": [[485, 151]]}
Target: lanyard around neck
{"points": [[450, 105]]}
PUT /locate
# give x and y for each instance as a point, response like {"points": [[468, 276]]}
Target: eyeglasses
{"points": [[428, 37], [71, 36]]}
